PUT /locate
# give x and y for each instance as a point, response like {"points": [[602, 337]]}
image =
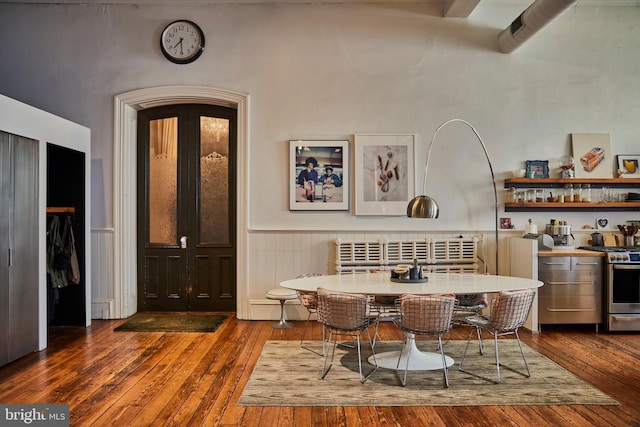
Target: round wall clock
{"points": [[182, 41]]}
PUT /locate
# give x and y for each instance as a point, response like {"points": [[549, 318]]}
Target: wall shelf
{"points": [[563, 207], [561, 182]]}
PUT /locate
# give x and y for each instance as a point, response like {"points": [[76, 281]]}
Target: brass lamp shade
{"points": [[423, 207]]}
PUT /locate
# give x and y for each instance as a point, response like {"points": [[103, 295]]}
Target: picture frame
{"points": [[592, 154], [602, 223], [629, 164], [384, 169], [505, 224], [328, 188], [537, 169]]}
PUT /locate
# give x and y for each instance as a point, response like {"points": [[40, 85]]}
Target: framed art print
{"points": [[628, 164], [537, 169], [592, 152], [318, 175], [384, 173]]}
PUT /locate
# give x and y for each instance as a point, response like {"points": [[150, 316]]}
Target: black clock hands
{"points": [[179, 43]]}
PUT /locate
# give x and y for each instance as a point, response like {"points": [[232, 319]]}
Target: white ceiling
{"points": [[457, 3]]}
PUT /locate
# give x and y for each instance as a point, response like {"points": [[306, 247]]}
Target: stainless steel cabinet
{"points": [[572, 291], [18, 247]]}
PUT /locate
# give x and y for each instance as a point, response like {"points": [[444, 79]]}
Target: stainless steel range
{"points": [[622, 287]]}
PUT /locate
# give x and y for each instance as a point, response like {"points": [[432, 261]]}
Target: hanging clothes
{"points": [[73, 272], [57, 259]]}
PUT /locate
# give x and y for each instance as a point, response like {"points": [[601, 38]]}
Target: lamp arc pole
{"points": [[426, 207]]}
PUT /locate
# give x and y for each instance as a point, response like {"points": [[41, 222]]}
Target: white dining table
{"points": [[380, 284]]}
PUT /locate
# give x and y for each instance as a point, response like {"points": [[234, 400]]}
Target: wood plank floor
{"points": [[191, 379]]}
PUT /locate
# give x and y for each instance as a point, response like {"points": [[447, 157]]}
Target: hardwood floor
{"points": [[191, 379]]}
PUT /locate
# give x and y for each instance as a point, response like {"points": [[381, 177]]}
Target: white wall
{"points": [[328, 71]]}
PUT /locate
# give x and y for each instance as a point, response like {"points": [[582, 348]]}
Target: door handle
{"points": [[183, 242]]}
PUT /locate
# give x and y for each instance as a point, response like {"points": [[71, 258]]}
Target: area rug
{"points": [[287, 375], [172, 322]]}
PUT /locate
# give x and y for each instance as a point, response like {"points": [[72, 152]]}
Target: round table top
{"points": [[437, 283]]}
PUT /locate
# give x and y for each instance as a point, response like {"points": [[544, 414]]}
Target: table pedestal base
{"points": [[419, 360]]}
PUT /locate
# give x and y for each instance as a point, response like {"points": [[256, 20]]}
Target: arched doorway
{"points": [[124, 178]]}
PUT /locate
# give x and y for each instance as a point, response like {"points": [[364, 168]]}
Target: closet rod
{"points": [[62, 209]]}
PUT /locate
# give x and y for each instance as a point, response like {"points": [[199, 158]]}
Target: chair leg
{"points": [[498, 364], [375, 360], [375, 334], [466, 347], [325, 370], [304, 331], [444, 361], [495, 339], [526, 365], [526, 374]]}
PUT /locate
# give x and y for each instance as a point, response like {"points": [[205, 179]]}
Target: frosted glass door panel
{"points": [[163, 181], [214, 181]]}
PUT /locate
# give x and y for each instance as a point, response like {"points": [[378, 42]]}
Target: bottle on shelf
{"points": [[586, 193], [568, 193], [577, 193]]}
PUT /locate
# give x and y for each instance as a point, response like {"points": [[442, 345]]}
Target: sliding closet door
{"points": [[18, 246], [6, 203]]}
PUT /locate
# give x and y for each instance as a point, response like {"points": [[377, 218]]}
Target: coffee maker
{"points": [[560, 234]]}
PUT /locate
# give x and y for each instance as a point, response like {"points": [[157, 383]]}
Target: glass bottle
{"points": [[511, 195], [568, 193], [586, 193], [577, 193], [531, 196]]}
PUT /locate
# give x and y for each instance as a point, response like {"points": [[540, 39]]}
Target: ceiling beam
{"points": [[458, 8]]}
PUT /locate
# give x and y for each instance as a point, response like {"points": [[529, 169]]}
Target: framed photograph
{"points": [[537, 169], [384, 173], [592, 154], [628, 164], [318, 175]]}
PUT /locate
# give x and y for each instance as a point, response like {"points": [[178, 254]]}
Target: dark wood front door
{"points": [[186, 208]]}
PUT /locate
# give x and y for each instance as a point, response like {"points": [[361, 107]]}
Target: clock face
{"points": [[182, 42]]}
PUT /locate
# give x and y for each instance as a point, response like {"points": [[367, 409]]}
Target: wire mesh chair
{"points": [[469, 305], [425, 315], [309, 300], [509, 311], [345, 314]]}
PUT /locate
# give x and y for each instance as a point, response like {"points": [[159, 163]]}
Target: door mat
{"points": [[172, 322], [287, 375]]}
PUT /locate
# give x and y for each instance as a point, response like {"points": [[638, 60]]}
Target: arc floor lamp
{"points": [[426, 207]]}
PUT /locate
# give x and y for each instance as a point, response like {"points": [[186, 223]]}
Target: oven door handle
{"points": [[626, 266]]}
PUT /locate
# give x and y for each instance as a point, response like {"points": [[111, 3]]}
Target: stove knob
{"points": [[625, 257]]}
